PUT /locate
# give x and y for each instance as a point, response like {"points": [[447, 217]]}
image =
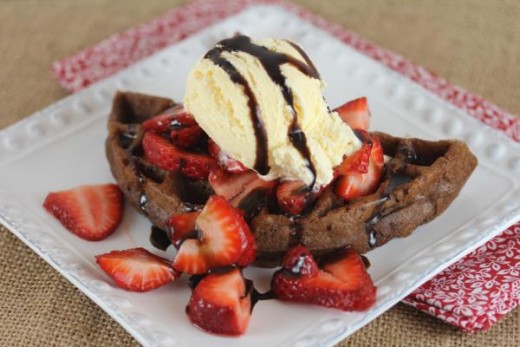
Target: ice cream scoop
{"points": [[262, 102]]}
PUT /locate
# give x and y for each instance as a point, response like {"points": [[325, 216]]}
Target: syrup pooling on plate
{"points": [[272, 62]]}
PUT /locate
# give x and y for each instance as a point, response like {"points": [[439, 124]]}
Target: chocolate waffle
{"points": [[420, 180]]}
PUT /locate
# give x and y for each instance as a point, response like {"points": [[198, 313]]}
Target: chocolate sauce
{"points": [[150, 172], [194, 280], [159, 238], [253, 203], [256, 296], [296, 235], [406, 151], [143, 200], [272, 62], [127, 138], [394, 180], [372, 238], [195, 234], [189, 207]]}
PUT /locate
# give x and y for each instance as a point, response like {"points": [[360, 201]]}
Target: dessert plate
{"points": [[62, 146]]}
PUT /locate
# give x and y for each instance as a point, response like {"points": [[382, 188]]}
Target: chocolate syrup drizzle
{"points": [[272, 62], [394, 178]]}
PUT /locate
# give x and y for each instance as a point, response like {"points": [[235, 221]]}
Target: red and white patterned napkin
{"points": [[473, 293]]}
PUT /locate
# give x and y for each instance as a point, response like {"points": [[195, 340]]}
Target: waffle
{"points": [[420, 180]]}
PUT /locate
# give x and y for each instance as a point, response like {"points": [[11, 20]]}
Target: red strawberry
{"points": [[341, 283], [213, 149], [355, 113], [223, 240], [173, 118], [294, 196], [181, 225], [91, 212], [137, 269], [159, 151], [352, 184], [245, 190], [186, 137], [197, 166], [299, 260], [224, 160], [359, 160], [221, 303]]}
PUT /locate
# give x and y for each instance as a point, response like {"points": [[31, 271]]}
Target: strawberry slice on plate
{"points": [[222, 238], [340, 282], [294, 196], [355, 113], [221, 303], [137, 269], [356, 178], [92, 212]]}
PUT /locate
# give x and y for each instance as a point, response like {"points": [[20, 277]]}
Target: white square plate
{"points": [[62, 146]]}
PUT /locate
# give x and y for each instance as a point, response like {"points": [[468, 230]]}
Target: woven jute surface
{"points": [[473, 43]]}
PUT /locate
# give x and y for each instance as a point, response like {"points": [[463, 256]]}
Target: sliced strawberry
{"points": [[355, 113], [248, 245], [186, 137], [221, 303], [137, 269], [181, 226], [224, 160], [246, 191], [359, 160], [213, 149], [342, 282], [92, 212], [294, 196], [352, 183], [159, 151], [223, 240], [197, 166], [173, 118], [298, 260]]}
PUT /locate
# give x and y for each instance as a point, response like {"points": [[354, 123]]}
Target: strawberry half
{"points": [[161, 152], [186, 137], [355, 113], [221, 303], [359, 160], [354, 180], [182, 225], [173, 118], [92, 212], [341, 283], [224, 160], [246, 190], [294, 196], [224, 239], [137, 269]]}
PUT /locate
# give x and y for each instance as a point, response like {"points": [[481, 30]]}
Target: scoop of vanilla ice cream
{"points": [[236, 94]]}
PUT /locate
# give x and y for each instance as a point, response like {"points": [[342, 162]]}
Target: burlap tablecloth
{"points": [[473, 43]]}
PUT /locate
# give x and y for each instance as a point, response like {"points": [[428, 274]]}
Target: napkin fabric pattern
{"points": [[473, 293]]}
